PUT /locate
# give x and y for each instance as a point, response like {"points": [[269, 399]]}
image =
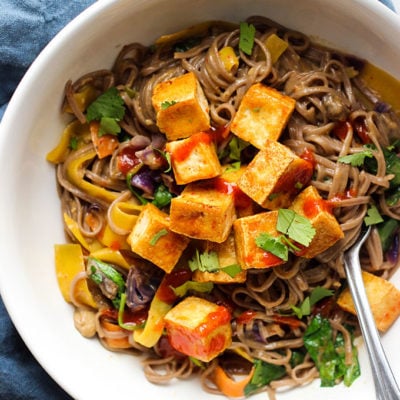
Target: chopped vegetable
{"points": [[328, 353], [273, 245], [387, 231], [162, 197], [228, 386], [356, 159], [205, 262], [108, 109], [229, 58], [246, 38], [276, 47], [373, 217], [167, 104], [264, 373], [201, 287], [295, 226], [317, 294], [232, 270], [109, 280], [158, 235]]}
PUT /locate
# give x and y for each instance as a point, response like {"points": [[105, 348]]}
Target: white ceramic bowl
{"points": [[29, 208]]}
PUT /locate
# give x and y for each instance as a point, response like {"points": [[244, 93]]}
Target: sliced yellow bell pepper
{"points": [[75, 173], [69, 262], [112, 240], [162, 302], [61, 151], [83, 98], [229, 58], [74, 228], [110, 256], [276, 47], [383, 83]]}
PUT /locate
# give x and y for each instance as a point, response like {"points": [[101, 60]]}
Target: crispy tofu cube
{"points": [[310, 205], [275, 176], [226, 254], [243, 203], [199, 328], [181, 107], [262, 115], [194, 158], [246, 230], [203, 212], [383, 297], [152, 239]]}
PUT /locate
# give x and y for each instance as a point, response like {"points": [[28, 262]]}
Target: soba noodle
{"points": [[328, 91]]}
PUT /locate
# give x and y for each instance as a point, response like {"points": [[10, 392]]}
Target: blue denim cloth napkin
{"points": [[26, 26]]}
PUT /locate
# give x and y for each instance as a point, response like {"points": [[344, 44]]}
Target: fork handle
{"points": [[385, 383]]}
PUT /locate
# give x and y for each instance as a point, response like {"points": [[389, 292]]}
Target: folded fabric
{"points": [[26, 26]]}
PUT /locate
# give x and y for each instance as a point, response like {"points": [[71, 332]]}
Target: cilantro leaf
{"points": [[109, 109], [295, 226], [273, 245], [236, 145], [356, 159], [373, 217], [232, 270], [205, 262], [317, 294], [246, 37]]}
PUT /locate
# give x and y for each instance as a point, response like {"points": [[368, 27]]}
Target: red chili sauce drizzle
{"points": [[127, 159], [174, 279], [241, 199], [183, 150]]}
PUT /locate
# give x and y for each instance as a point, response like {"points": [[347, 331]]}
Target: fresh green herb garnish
{"points": [[205, 262], [200, 287], [162, 197], [295, 226], [246, 37], [273, 245], [373, 217], [235, 166], [236, 145], [264, 373], [157, 236], [232, 270], [356, 159], [166, 104], [317, 294], [99, 271], [73, 143], [130, 187], [197, 362], [108, 109], [328, 353]]}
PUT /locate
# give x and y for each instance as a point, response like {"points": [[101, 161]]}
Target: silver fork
{"points": [[385, 383]]}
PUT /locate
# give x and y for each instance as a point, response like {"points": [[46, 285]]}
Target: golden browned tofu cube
{"points": [[194, 158], [199, 328], [181, 107], [203, 212], [383, 297], [275, 176], [152, 239], [226, 254], [262, 115], [243, 203], [246, 230], [327, 230]]}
